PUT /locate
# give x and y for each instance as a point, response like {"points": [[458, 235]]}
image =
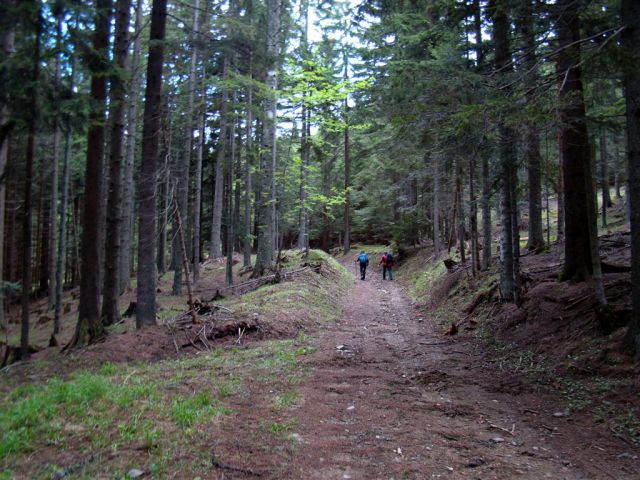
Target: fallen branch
{"points": [[223, 466], [502, 429], [481, 297]]}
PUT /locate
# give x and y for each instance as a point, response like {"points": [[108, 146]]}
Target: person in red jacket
{"points": [[387, 263]]}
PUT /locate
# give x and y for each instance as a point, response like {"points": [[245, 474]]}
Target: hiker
{"points": [[363, 260], [387, 265]]}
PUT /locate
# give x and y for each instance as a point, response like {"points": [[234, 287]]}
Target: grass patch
{"points": [[151, 406], [287, 399]]}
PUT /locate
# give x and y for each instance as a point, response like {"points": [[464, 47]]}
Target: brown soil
{"points": [[389, 397]]}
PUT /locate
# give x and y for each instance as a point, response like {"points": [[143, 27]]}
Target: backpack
{"points": [[389, 259], [363, 258]]}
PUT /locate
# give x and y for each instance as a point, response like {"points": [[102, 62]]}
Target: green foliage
{"points": [[187, 411], [411, 228]]}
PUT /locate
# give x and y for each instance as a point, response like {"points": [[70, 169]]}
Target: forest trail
{"points": [[390, 397]]}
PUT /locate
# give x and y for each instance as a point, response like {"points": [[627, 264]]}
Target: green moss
{"points": [[421, 282]]}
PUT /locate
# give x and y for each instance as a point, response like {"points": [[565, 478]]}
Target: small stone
{"points": [[625, 455], [497, 439], [450, 469], [135, 473], [351, 407], [561, 414], [346, 477]]}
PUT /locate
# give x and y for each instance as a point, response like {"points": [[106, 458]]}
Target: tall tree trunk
{"points": [[560, 193], [617, 172], [89, 327], [473, 217], [266, 208], [327, 166], [7, 39], [197, 202], [42, 232], [62, 232], [246, 246], [128, 192], [147, 277], [485, 204], [303, 215], [184, 166], [111, 289], [437, 240], [460, 219], [347, 166], [28, 180], [515, 229], [229, 199], [631, 77], [574, 146], [604, 172], [347, 191], [486, 214], [53, 206], [532, 138], [507, 156], [215, 248], [303, 218]]}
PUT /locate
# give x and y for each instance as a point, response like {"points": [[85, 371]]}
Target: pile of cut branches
{"points": [[213, 322]]}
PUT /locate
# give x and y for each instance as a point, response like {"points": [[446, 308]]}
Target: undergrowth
{"points": [[150, 406], [148, 412]]}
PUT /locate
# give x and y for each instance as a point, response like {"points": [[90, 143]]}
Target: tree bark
{"points": [[28, 180], [246, 248], [7, 40], [560, 195], [303, 221], [147, 277], [184, 166], [604, 173], [53, 206], [215, 248], [89, 328], [111, 288], [460, 218], [197, 202], [229, 199], [62, 232], [128, 192], [630, 10], [347, 166], [507, 156], [535, 242], [437, 240], [266, 208], [486, 214], [574, 146], [473, 217]]}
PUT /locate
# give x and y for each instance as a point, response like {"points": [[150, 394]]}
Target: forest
{"points": [[184, 188]]}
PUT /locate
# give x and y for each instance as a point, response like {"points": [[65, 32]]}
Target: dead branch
{"points": [[497, 427], [480, 298], [223, 466]]}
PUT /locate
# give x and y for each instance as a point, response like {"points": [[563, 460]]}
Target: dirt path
{"points": [[391, 398]]}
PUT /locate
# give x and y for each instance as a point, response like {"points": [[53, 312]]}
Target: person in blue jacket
{"points": [[363, 260]]}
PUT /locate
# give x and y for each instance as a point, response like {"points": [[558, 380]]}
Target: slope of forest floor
{"points": [[341, 379], [140, 401]]}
